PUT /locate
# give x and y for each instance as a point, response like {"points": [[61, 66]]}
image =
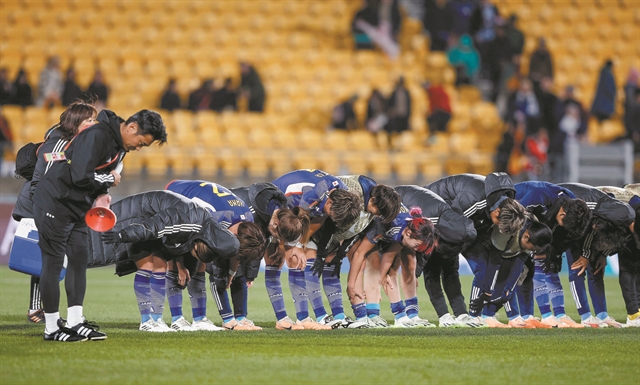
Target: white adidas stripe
{"points": [[495, 278], [576, 299], [57, 148], [187, 228], [475, 207]]}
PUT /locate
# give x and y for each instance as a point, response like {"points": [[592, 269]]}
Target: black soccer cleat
{"points": [[64, 335], [89, 330]]}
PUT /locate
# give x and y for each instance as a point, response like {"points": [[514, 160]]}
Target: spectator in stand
{"points": [[6, 93], [377, 117], [540, 64], [498, 54], [634, 119], [462, 11], [6, 137], [440, 107], [465, 58], [200, 99], [225, 99], [399, 108], [170, 99], [630, 102], [515, 36], [572, 126], [604, 102], [438, 20], [251, 87], [99, 91], [343, 117], [22, 94], [482, 25], [523, 106], [71, 90], [549, 106], [50, 84], [378, 22], [537, 146]]}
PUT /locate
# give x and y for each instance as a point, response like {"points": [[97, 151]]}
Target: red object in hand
{"points": [[100, 219]]}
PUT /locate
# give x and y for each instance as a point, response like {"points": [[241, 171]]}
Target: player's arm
{"points": [[89, 152]]}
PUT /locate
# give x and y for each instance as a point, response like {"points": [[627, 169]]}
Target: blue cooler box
{"points": [[25, 254]]}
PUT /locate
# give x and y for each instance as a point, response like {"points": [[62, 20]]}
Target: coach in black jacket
{"points": [[84, 171]]}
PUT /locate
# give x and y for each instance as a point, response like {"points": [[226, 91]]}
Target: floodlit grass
{"points": [[283, 357]]}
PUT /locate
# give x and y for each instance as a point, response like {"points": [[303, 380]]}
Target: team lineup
{"points": [[513, 236]]}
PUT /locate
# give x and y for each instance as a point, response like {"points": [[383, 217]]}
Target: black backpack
{"points": [[26, 160]]}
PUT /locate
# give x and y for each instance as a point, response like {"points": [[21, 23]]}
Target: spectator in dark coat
{"points": [[498, 54], [399, 108], [343, 117], [98, 90], [438, 20], [630, 102], [377, 117], [5, 87], [170, 99], [200, 99], [604, 102], [252, 87], [515, 36], [225, 99], [572, 126], [523, 106], [540, 64], [71, 91], [22, 95], [440, 107]]}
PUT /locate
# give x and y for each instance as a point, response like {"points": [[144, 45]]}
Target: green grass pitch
{"points": [[452, 356]]}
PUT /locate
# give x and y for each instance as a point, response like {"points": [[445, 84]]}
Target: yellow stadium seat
{"points": [[457, 165], [380, 165], [356, 162], [405, 165]]}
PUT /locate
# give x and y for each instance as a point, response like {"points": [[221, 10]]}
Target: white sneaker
{"points": [[447, 321], [593, 322], [182, 325], [632, 323], [378, 322], [422, 322], [163, 327], [329, 320], [466, 321], [363, 323], [609, 321], [205, 325], [154, 327], [404, 322]]}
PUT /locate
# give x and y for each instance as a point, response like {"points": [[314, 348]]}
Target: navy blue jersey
{"points": [[393, 232], [542, 194], [227, 209], [308, 189]]}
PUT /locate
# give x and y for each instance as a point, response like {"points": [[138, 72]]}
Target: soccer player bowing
{"points": [[81, 176], [157, 226]]}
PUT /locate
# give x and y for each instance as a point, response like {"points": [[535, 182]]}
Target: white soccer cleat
{"points": [[467, 321], [404, 322], [153, 327], [205, 324], [182, 325], [593, 322], [378, 322], [419, 322], [609, 321], [364, 323], [163, 327], [247, 322], [330, 321], [447, 321], [632, 323]]}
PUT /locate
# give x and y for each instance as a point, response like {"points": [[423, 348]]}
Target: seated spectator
{"points": [[98, 91], [498, 54], [343, 117], [515, 36], [377, 117], [378, 22], [438, 20], [22, 94], [200, 99], [466, 59], [440, 107], [6, 93], [50, 84], [482, 26], [604, 102], [252, 88], [225, 99], [170, 99], [399, 108], [540, 64], [71, 90]]}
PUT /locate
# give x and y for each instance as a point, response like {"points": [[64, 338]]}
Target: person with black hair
{"points": [[155, 227], [71, 91], [170, 100], [234, 214], [612, 222], [22, 92], [225, 98], [283, 228], [79, 178], [568, 217], [251, 87], [75, 118]]}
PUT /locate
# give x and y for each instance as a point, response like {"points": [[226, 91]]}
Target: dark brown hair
{"points": [[253, 243], [73, 116]]}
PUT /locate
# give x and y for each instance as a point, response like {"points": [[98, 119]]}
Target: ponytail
{"points": [[422, 229]]}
